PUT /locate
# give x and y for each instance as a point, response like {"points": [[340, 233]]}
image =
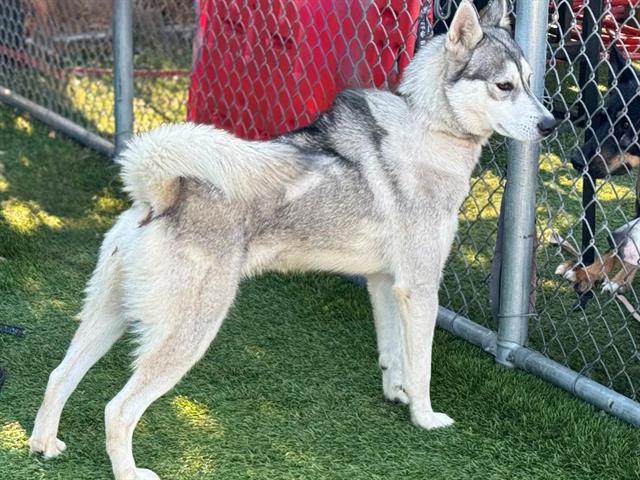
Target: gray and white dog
{"points": [[372, 188]]}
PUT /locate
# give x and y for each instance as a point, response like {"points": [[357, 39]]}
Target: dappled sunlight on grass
{"points": [[483, 201], [196, 462], [13, 436], [25, 161], [475, 258], [255, 352], [550, 162], [570, 184], [107, 202], [610, 192], [197, 415], [270, 409], [158, 101], [94, 98], [23, 124], [293, 456], [561, 222], [25, 217]]}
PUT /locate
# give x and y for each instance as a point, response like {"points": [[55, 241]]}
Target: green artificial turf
{"points": [[290, 388]]}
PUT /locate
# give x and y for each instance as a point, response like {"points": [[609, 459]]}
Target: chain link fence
{"points": [[60, 57], [583, 201], [263, 67]]}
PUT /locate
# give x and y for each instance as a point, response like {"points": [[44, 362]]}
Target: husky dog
{"points": [[614, 148], [372, 188]]}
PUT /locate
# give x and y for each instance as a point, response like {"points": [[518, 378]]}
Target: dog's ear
{"points": [[622, 69], [496, 14], [465, 31]]}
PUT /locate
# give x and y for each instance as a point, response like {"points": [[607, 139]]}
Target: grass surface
{"points": [[290, 388]]}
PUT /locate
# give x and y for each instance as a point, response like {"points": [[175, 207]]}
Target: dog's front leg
{"points": [[418, 303]]}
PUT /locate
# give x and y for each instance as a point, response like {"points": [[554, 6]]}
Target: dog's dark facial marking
{"points": [[613, 148], [489, 60]]}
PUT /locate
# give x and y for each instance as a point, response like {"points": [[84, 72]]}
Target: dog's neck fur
{"points": [[430, 106]]}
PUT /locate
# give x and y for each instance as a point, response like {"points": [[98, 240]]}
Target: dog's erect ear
{"points": [[496, 14], [621, 68], [465, 31]]}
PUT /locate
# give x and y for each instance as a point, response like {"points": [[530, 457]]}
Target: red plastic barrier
{"points": [[265, 67]]}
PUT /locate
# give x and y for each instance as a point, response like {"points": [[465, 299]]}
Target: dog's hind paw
{"points": [[564, 267], [567, 271], [49, 448], [396, 395], [431, 420]]}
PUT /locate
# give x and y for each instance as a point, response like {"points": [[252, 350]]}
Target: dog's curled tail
{"points": [[241, 169]]}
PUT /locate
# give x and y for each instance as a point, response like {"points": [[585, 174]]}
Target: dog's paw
{"points": [[567, 271], [431, 420], [396, 394], [49, 448], [610, 287], [563, 268], [138, 474], [145, 474]]}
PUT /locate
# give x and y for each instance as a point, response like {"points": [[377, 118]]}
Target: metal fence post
{"points": [[123, 70], [520, 195]]}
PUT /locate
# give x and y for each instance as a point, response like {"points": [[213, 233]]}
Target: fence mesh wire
{"points": [[59, 55], [259, 68], [598, 336]]}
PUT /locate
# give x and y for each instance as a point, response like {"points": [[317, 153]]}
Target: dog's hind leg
{"points": [[101, 324], [387, 321], [179, 316]]}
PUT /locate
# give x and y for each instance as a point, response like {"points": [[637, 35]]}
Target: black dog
{"points": [[613, 148]]}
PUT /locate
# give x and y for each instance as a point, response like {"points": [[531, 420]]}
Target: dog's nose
{"points": [[547, 125]]}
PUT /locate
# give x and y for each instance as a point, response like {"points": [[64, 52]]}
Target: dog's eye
{"points": [[505, 87]]}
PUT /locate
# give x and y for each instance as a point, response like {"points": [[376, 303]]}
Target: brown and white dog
{"points": [[624, 255]]}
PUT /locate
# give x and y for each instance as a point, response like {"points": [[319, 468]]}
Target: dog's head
{"points": [[488, 78], [613, 148]]}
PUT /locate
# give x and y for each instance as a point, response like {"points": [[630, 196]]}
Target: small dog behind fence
{"points": [[612, 150]]}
